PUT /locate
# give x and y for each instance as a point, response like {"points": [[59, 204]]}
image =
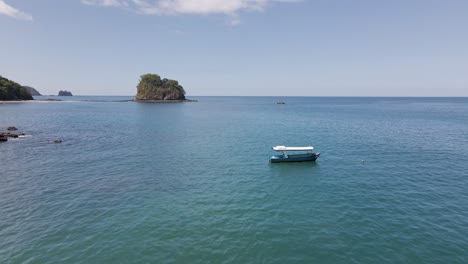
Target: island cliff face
{"points": [[12, 91], [65, 93], [151, 87]]}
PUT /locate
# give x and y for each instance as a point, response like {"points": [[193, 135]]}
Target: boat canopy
{"points": [[284, 148]]}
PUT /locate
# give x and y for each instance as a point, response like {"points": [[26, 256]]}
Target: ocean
{"points": [[191, 182]]}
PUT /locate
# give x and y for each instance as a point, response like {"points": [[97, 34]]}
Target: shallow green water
{"points": [[191, 182]]}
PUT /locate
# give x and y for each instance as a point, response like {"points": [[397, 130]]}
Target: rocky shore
{"points": [[5, 135]]}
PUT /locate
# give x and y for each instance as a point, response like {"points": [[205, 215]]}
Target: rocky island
{"points": [[12, 91], [65, 93], [154, 89]]}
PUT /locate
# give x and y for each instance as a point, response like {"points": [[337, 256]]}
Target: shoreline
{"points": [[31, 101], [97, 101]]}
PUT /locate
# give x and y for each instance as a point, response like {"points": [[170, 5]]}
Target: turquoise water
{"points": [[191, 182]]}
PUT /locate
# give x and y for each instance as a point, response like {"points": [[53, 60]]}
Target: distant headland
{"points": [[12, 91], [153, 89], [32, 91]]}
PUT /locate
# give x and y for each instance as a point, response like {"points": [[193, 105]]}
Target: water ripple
{"points": [[131, 185]]}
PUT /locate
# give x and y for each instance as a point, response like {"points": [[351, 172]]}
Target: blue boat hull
{"points": [[294, 158]]}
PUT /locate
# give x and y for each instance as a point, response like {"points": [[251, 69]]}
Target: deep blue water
{"points": [[191, 182]]}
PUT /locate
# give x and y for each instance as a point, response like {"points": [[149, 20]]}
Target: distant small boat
{"points": [[280, 103], [307, 154]]}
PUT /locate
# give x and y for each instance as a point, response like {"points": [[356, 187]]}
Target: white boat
{"points": [[306, 155]]}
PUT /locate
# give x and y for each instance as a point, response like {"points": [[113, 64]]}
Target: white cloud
{"points": [[8, 10], [197, 7], [105, 2]]}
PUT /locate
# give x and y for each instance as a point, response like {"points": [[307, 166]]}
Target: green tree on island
{"points": [[151, 87], [12, 91]]}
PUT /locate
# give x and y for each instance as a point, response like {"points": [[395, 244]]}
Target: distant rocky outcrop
{"points": [[65, 93], [12, 91], [5, 135], [32, 91], [153, 88]]}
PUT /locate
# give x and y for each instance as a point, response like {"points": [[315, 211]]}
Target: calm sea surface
{"points": [[191, 182]]}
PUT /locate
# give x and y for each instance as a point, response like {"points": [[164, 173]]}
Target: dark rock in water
{"points": [[151, 87], [8, 134], [32, 91], [65, 93], [5, 135]]}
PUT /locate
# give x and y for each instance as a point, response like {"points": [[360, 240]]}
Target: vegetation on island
{"points": [[65, 93], [12, 91], [32, 91], [152, 87]]}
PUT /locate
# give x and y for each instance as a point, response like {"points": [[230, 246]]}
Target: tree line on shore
{"points": [[10, 90]]}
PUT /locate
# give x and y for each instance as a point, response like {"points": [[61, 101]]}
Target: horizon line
{"points": [[322, 96]]}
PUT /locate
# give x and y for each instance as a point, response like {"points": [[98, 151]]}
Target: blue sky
{"points": [[239, 47]]}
